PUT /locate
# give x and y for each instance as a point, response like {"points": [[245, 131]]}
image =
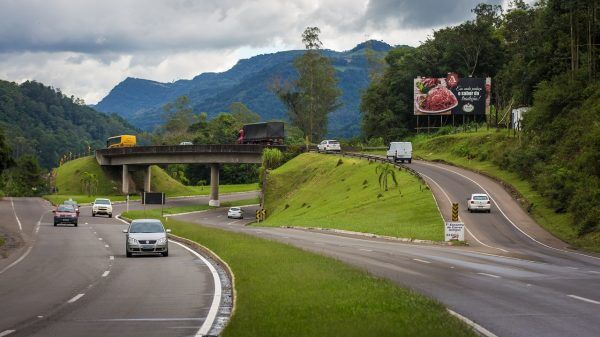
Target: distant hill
{"points": [[140, 101], [41, 121]]}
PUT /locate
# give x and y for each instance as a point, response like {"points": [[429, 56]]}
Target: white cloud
{"points": [[87, 47]]}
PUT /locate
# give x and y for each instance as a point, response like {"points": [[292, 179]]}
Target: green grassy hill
{"points": [[485, 151], [314, 190], [68, 181]]}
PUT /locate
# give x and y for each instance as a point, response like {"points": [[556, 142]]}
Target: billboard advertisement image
{"points": [[451, 95]]}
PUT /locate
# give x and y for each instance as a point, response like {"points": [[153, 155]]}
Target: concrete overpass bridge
{"points": [[141, 157]]}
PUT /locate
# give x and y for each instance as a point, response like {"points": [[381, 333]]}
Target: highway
{"points": [[514, 279], [76, 281]]}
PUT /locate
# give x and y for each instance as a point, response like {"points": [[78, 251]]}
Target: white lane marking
{"points": [[574, 268], [583, 299], [40, 316], [100, 239], [15, 212], [489, 275], [75, 298], [475, 326], [214, 307], [106, 246], [467, 228], [365, 250], [422, 261], [111, 257], [17, 261], [105, 274], [593, 272], [506, 217], [6, 332]]}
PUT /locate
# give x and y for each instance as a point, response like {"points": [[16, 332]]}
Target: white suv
{"points": [[102, 206], [329, 146]]}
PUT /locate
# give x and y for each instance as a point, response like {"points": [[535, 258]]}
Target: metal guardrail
{"points": [[165, 149], [383, 159]]}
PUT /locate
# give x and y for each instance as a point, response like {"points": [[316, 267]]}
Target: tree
{"points": [[6, 159], [178, 116], [89, 181], [242, 114], [384, 171], [314, 94]]}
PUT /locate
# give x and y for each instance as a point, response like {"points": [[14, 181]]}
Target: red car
{"points": [[65, 214]]}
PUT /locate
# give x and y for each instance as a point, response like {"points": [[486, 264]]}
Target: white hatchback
{"points": [[235, 212], [479, 202], [329, 146]]}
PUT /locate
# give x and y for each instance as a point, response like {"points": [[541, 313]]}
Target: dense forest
{"points": [[40, 121], [545, 56]]}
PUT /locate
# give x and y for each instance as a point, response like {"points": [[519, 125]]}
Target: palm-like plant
{"points": [[384, 171], [89, 182]]}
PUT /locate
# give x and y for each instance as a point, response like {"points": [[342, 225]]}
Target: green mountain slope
{"points": [[41, 121]]}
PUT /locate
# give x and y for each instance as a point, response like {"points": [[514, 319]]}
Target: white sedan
{"points": [[235, 212], [329, 146], [479, 202]]}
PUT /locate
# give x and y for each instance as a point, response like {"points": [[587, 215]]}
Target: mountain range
{"points": [[140, 101]]}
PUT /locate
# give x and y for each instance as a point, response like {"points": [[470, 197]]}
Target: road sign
{"points": [[455, 231], [454, 212], [261, 214]]}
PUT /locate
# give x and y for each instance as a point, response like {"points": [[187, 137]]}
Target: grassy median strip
{"points": [[315, 190], [285, 291], [155, 213]]}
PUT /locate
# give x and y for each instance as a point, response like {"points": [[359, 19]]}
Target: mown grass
{"points": [[471, 150], [314, 190], [285, 291]]}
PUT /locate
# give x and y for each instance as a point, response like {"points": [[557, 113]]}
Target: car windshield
{"points": [[102, 202], [480, 197], [66, 208], [146, 227]]}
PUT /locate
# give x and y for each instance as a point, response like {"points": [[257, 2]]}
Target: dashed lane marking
{"points": [[105, 274], [422, 261], [111, 257], [75, 298], [489, 275], [16, 217], [583, 299], [6, 332]]}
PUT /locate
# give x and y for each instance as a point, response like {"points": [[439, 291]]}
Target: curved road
{"points": [[514, 279], [76, 281]]}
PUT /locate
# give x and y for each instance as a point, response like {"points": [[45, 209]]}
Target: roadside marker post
{"points": [[454, 212], [261, 214]]}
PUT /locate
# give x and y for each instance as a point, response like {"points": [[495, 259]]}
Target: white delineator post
{"points": [[214, 185]]}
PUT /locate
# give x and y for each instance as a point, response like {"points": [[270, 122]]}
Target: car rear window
{"points": [[66, 208], [334, 142], [480, 197], [146, 227], [235, 209]]}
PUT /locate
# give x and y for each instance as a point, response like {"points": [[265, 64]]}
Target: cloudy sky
{"points": [[87, 47]]}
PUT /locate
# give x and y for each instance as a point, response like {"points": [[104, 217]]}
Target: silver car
{"points": [[146, 236]]}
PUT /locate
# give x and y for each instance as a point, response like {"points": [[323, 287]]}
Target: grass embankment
{"points": [[314, 190], [68, 183], [285, 291], [473, 150]]}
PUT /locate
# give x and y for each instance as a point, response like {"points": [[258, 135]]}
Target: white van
{"points": [[400, 151]]}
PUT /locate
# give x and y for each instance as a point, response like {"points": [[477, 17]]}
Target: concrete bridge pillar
{"points": [[214, 185], [125, 180], [147, 178]]}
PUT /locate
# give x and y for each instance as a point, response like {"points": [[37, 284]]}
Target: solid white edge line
{"points": [[214, 307], [450, 200], [490, 275], [75, 298], [105, 274], [506, 217], [15, 212], [17, 261], [6, 332], [472, 324], [583, 299]]}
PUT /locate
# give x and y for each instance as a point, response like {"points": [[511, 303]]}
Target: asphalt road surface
{"points": [[76, 281], [514, 279]]}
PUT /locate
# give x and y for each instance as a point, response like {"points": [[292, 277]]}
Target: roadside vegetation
{"points": [[486, 151], [71, 181], [285, 291], [314, 190], [156, 213]]}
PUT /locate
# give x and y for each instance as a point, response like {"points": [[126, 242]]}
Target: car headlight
{"points": [[161, 241], [132, 241]]}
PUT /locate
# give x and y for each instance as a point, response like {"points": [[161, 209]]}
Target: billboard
{"points": [[451, 95]]}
